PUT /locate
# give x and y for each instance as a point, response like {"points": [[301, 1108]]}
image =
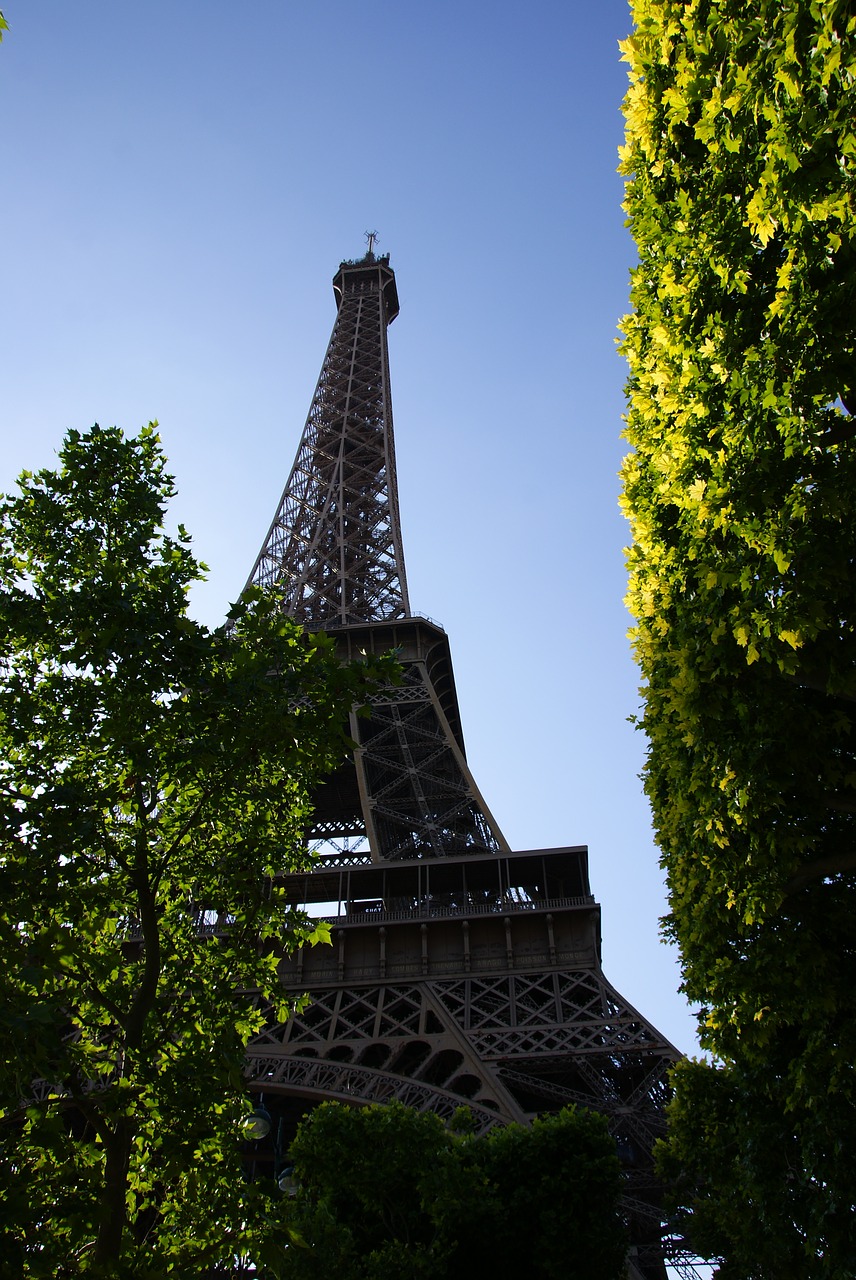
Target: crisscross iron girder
{"points": [[422, 798], [334, 547], [342, 1082], [407, 792]]}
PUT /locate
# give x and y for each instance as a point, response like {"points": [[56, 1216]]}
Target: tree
{"points": [[385, 1190], [541, 1201], [741, 166], [153, 787]]}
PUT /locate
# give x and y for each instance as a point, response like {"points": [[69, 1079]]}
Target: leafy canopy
{"points": [[153, 786], [741, 168], [388, 1191]]}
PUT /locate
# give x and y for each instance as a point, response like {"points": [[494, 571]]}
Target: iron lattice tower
{"points": [[461, 973]]}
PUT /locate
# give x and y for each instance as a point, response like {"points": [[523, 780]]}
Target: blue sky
{"points": [[180, 181]]}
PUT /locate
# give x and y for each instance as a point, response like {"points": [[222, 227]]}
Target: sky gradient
{"points": [[180, 181]]}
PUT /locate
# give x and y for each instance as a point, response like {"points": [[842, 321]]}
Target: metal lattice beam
{"points": [[334, 547]]}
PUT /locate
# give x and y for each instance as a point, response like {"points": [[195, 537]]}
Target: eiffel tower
{"points": [[461, 972]]}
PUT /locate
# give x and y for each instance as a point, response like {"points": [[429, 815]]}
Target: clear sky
{"points": [[180, 180]]}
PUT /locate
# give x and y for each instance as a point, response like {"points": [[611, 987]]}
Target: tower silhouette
{"points": [[461, 972]]}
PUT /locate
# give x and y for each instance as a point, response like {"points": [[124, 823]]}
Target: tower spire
{"points": [[334, 545]]}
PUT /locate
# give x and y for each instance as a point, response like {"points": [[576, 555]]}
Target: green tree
{"points": [[385, 1190], [153, 785], [741, 167], [370, 1180], [541, 1201]]}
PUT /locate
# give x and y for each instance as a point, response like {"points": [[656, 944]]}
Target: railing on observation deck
{"points": [[426, 911]]}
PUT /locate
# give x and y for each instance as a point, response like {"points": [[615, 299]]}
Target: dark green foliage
{"points": [[387, 1191], [738, 1163], [741, 160], [153, 780], [370, 1179], [549, 1202]]}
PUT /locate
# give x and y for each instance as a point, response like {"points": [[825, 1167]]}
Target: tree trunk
{"points": [[114, 1208]]}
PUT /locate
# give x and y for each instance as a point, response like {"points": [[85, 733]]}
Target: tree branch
{"points": [[98, 997], [832, 864], [804, 680], [144, 1000], [192, 817], [843, 430]]}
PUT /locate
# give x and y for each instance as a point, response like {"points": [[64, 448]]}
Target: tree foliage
{"points": [[388, 1191], [741, 167], [153, 785]]}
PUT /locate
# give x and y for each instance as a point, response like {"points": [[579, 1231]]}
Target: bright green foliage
{"points": [[387, 1191], [153, 780], [741, 161]]}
